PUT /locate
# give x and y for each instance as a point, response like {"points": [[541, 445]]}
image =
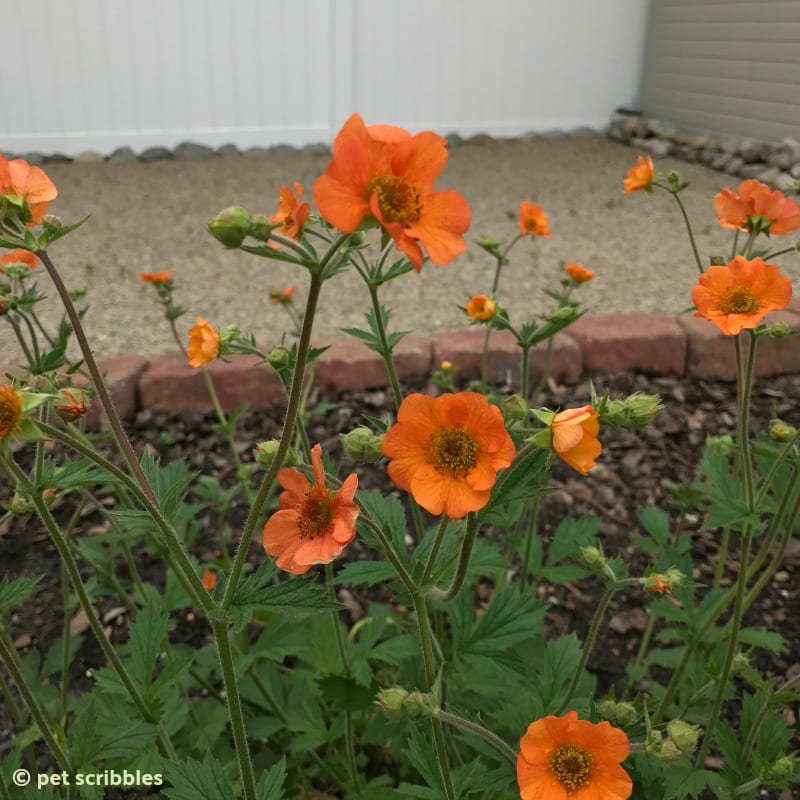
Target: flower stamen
{"points": [[454, 451], [572, 766], [316, 515], [739, 300], [398, 200]]}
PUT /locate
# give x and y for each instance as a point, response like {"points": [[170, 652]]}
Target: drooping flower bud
{"points": [[515, 408], [361, 444], [231, 226], [278, 357], [683, 734], [781, 431], [618, 714]]}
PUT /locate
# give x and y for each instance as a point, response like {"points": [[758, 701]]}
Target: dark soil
{"points": [[636, 469]]}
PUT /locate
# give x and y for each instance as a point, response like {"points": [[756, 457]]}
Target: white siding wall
{"points": [[98, 74], [728, 66]]}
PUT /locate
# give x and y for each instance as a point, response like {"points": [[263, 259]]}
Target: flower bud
{"points": [[668, 751], [637, 410], [392, 700], [618, 714], [593, 557], [361, 444], [721, 445], [683, 734], [778, 330], [264, 452], [781, 431], [261, 228], [51, 223], [656, 584], [741, 665], [278, 357], [515, 408], [70, 404], [783, 769], [674, 578], [20, 504], [231, 226]]}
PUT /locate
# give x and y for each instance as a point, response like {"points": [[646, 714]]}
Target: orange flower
{"points": [[566, 758], [481, 307], [292, 214], [532, 220], [657, 584], [313, 524], [640, 176], [73, 403], [209, 579], [577, 272], [756, 200], [10, 411], [383, 174], [574, 434], [19, 179], [162, 276], [741, 293], [446, 451], [283, 296], [203, 343], [19, 257]]}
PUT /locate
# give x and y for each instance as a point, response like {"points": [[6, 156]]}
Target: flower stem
{"points": [[546, 370], [526, 558], [688, 224], [443, 595], [484, 733], [437, 543], [594, 629]]}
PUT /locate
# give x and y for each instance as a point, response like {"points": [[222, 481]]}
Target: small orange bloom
{"points": [[640, 176], [203, 343], [446, 451], [575, 437], [383, 174], [292, 213], [10, 411], [313, 524], [283, 296], [754, 200], [532, 220], [73, 403], [656, 584], [740, 294], [481, 307], [162, 276], [19, 179], [566, 758], [209, 579], [19, 257], [577, 272]]}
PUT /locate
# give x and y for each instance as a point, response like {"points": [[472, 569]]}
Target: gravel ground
{"points": [[150, 216]]}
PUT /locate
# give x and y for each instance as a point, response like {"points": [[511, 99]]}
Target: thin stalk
{"points": [[526, 558], [524, 372], [443, 595], [65, 640], [41, 327], [266, 693], [22, 343], [386, 352], [546, 370], [722, 557], [780, 253], [235, 713], [587, 646], [759, 718], [424, 627], [485, 357], [292, 411], [687, 224], [485, 734], [32, 704], [97, 379], [388, 551], [437, 543], [34, 342], [735, 244]]}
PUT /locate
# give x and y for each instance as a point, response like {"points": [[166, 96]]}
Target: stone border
{"points": [[774, 163], [656, 344]]}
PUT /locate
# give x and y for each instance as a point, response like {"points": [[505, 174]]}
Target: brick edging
{"points": [[657, 344]]}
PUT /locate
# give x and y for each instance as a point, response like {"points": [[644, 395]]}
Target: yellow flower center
{"points": [[316, 513], [572, 766], [397, 199], [454, 451], [739, 300], [10, 411]]}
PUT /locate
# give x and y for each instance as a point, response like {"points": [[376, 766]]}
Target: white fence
{"points": [[99, 74]]}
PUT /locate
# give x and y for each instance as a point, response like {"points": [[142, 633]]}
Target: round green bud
{"points": [[392, 701], [231, 226], [278, 357], [261, 228], [592, 556], [684, 735], [265, 452], [361, 444], [781, 431], [515, 408]]}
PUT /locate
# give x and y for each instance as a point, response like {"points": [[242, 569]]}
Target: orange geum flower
{"points": [[71, 403], [284, 296], [640, 176], [292, 213], [577, 272], [203, 343], [574, 437], [19, 257], [161, 276], [313, 524], [741, 293], [10, 411], [446, 451], [532, 220], [382, 174], [481, 307], [566, 758], [756, 204], [209, 579], [18, 179]]}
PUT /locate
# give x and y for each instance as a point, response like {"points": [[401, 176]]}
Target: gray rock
{"points": [[662, 128], [57, 158], [751, 170], [154, 154], [792, 146], [35, 158], [121, 155], [636, 125], [618, 134], [784, 182], [317, 149], [256, 152], [657, 147], [553, 135], [708, 155], [228, 150], [794, 170], [734, 165], [683, 138], [88, 157], [729, 145], [781, 159], [191, 151], [751, 151], [769, 175], [699, 142], [721, 162], [481, 139], [454, 140], [281, 150]]}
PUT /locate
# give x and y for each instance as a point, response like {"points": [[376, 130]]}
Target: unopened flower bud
{"points": [[71, 404], [264, 452], [391, 701], [668, 751], [20, 504], [683, 734], [637, 410], [656, 584], [741, 665], [231, 226], [515, 408], [261, 228], [778, 330], [592, 556], [674, 578], [619, 714], [278, 357], [51, 223], [361, 444], [722, 445], [357, 238], [783, 769], [781, 431]]}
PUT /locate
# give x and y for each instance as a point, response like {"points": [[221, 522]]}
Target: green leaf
{"points": [[509, 619], [346, 694], [758, 637], [369, 572], [681, 780], [526, 478], [147, 634], [656, 523], [571, 534], [270, 784], [193, 780], [12, 593], [389, 515], [561, 657]]}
